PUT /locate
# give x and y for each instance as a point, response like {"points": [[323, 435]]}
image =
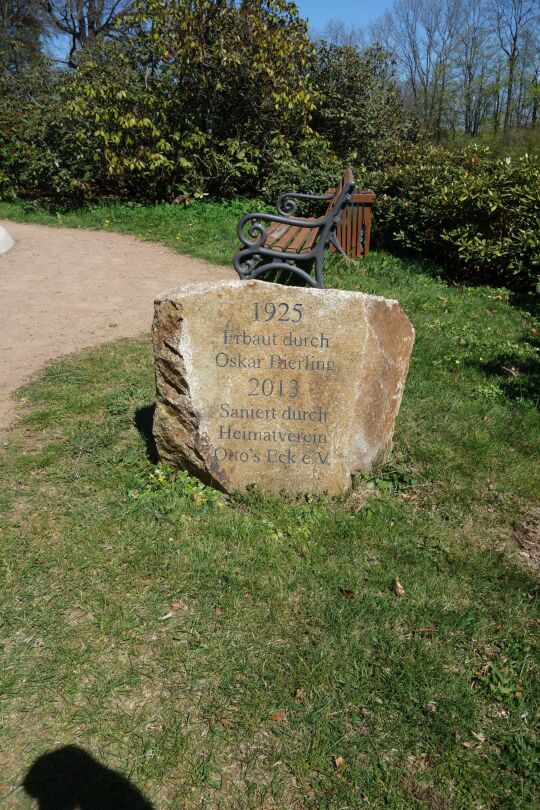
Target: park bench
{"points": [[289, 244]]}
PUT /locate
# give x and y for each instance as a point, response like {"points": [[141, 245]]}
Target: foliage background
{"points": [[175, 101]]}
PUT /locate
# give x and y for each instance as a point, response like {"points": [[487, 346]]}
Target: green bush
{"points": [[311, 169], [359, 109], [475, 213], [200, 99], [40, 154]]}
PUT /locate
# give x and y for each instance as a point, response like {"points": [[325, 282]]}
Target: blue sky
{"points": [[356, 13]]}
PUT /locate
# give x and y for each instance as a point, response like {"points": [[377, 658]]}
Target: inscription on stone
{"points": [[289, 388]]}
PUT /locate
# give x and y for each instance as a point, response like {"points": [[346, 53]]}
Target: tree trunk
{"points": [[509, 93]]}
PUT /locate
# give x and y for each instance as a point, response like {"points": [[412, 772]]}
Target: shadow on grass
{"points": [[519, 379], [144, 418], [70, 779]]}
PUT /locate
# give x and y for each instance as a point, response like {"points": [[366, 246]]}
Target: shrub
{"points": [[311, 169], [39, 150], [358, 106], [202, 97], [475, 213]]}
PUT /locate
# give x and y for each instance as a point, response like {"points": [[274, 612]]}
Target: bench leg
{"points": [[335, 242]]}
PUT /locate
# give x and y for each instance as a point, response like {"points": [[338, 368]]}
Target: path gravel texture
{"points": [[64, 289]]}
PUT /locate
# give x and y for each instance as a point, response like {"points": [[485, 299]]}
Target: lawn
{"points": [[251, 652]]}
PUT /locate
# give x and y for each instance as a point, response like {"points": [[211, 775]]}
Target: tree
{"points": [[359, 109], [422, 35], [21, 30], [466, 62], [512, 18], [202, 94], [83, 21], [472, 58], [335, 32]]}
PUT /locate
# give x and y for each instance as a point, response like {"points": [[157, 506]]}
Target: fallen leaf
{"points": [[425, 631], [176, 605], [399, 590], [225, 721], [217, 611], [299, 694], [278, 716], [348, 594], [430, 707], [168, 615], [305, 550], [339, 762]]}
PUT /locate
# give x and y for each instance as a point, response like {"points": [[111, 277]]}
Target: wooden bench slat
{"points": [[291, 239], [281, 237], [310, 240], [274, 232], [303, 240]]}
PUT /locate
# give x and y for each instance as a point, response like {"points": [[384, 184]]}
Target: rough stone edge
{"points": [[208, 286], [168, 408], [385, 450]]}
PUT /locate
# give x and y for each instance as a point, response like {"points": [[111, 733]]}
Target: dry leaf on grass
{"points": [[174, 607], [299, 694], [217, 611], [425, 631], [399, 590], [278, 716], [347, 593], [339, 762]]}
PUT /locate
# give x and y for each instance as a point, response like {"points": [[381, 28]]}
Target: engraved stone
{"points": [[292, 389]]}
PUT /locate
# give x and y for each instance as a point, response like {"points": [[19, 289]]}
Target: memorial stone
{"points": [[292, 389]]}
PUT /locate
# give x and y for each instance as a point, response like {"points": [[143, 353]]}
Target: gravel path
{"points": [[64, 289]]}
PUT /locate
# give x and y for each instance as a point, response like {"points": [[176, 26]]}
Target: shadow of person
{"points": [[70, 779], [144, 418]]}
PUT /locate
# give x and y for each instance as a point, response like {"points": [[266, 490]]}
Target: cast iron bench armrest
{"points": [[287, 207], [285, 243], [259, 233]]}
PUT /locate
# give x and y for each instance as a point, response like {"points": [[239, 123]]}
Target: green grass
{"points": [[430, 698]]}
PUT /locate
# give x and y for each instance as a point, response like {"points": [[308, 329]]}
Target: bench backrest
{"points": [[348, 177], [340, 198]]}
